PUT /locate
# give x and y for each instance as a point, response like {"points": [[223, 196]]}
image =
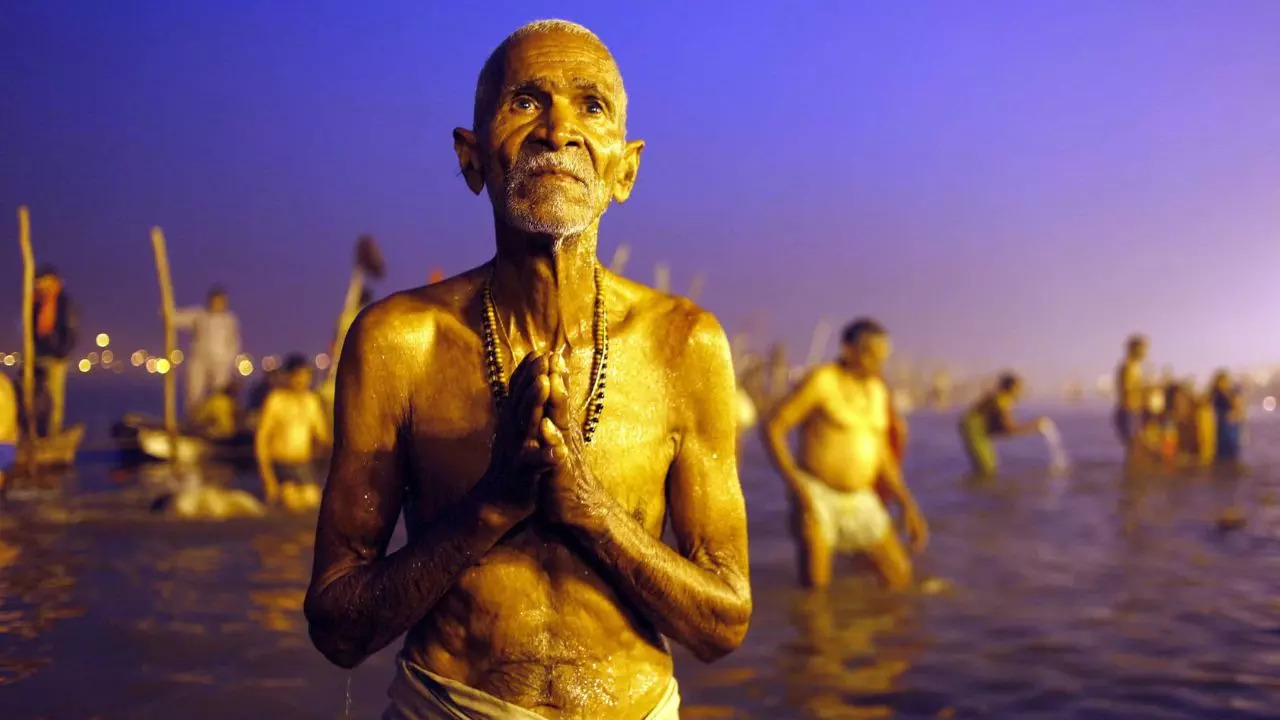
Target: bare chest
{"points": [[454, 420]]}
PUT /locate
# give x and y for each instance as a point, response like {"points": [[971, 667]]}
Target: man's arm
{"points": [[360, 598], [185, 318], [320, 421], [700, 595], [789, 413], [262, 447]]}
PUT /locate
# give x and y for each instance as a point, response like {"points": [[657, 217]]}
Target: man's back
{"points": [[534, 622]]}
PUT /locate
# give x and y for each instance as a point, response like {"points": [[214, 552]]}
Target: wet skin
{"points": [[534, 569]]}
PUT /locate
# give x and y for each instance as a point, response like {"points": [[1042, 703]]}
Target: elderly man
{"points": [[534, 582]]}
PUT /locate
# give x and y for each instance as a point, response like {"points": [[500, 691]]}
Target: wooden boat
{"points": [[146, 437], [192, 449], [51, 452]]}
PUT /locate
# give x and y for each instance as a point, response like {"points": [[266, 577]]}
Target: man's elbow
{"points": [[727, 634], [335, 648]]}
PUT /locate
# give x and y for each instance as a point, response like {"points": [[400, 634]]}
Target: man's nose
{"points": [[559, 126]]}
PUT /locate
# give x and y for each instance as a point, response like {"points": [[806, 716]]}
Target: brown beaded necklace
{"points": [[599, 363]]}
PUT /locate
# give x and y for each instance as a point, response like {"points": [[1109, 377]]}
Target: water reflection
{"points": [[37, 591], [839, 668]]}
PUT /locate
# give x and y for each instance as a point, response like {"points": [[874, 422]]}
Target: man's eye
{"points": [[523, 102], [594, 107]]}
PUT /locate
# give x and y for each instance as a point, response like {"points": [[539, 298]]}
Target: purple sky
{"points": [[1002, 183]]}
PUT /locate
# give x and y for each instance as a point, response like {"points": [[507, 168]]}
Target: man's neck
{"points": [[543, 286], [854, 370]]}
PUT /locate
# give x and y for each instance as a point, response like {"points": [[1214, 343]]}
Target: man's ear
{"points": [[464, 144], [627, 170]]}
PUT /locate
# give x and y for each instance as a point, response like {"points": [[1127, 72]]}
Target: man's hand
{"points": [[917, 529], [517, 457], [270, 486], [572, 495], [801, 484]]}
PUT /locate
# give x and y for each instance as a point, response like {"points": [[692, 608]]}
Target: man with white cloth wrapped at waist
{"points": [[846, 463], [534, 582]]}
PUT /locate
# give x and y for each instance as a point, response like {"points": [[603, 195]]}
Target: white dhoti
{"points": [[418, 694], [850, 521]]}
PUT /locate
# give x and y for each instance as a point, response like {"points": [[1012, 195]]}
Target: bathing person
{"points": [[1228, 406], [846, 461], [293, 423], [1131, 392], [990, 418], [8, 428], [535, 582]]}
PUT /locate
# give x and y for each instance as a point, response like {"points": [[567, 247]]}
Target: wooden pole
{"points": [[618, 265], [818, 343], [662, 277], [695, 286], [28, 333], [170, 339]]}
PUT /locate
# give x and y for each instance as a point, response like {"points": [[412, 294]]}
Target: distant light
{"points": [[151, 365], [92, 358], [1268, 403], [138, 358], [85, 365], [176, 357], [243, 357], [103, 339], [271, 363], [245, 367], [10, 360], [108, 357], [322, 361], [163, 366]]}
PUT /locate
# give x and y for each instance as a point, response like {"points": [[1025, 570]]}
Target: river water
{"points": [[1084, 595]]}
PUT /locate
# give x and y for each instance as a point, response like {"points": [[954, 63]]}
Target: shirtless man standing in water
{"points": [[1131, 392], [846, 462], [293, 423], [535, 582]]}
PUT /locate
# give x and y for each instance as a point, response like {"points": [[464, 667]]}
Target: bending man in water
{"points": [[535, 582], [846, 460], [989, 418]]}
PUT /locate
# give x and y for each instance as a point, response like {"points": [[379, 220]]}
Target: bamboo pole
{"points": [[696, 285], [618, 265], [818, 343], [28, 333], [170, 340], [662, 277]]}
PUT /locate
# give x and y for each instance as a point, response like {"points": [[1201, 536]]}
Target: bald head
{"points": [[492, 78]]}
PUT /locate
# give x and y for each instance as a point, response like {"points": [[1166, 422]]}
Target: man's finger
{"points": [[526, 369], [558, 403], [532, 403]]}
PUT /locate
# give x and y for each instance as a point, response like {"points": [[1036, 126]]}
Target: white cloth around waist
{"points": [[419, 694], [850, 520]]}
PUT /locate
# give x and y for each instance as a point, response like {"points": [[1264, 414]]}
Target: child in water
{"points": [[293, 422], [989, 418]]}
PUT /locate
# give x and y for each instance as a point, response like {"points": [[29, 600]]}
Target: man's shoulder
{"points": [[410, 320], [689, 334]]}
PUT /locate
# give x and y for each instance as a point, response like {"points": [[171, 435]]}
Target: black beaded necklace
{"points": [[599, 363]]}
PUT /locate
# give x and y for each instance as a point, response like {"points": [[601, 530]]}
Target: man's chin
{"points": [[551, 224]]}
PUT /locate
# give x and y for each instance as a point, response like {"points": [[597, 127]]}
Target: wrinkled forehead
{"points": [[560, 60]]}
